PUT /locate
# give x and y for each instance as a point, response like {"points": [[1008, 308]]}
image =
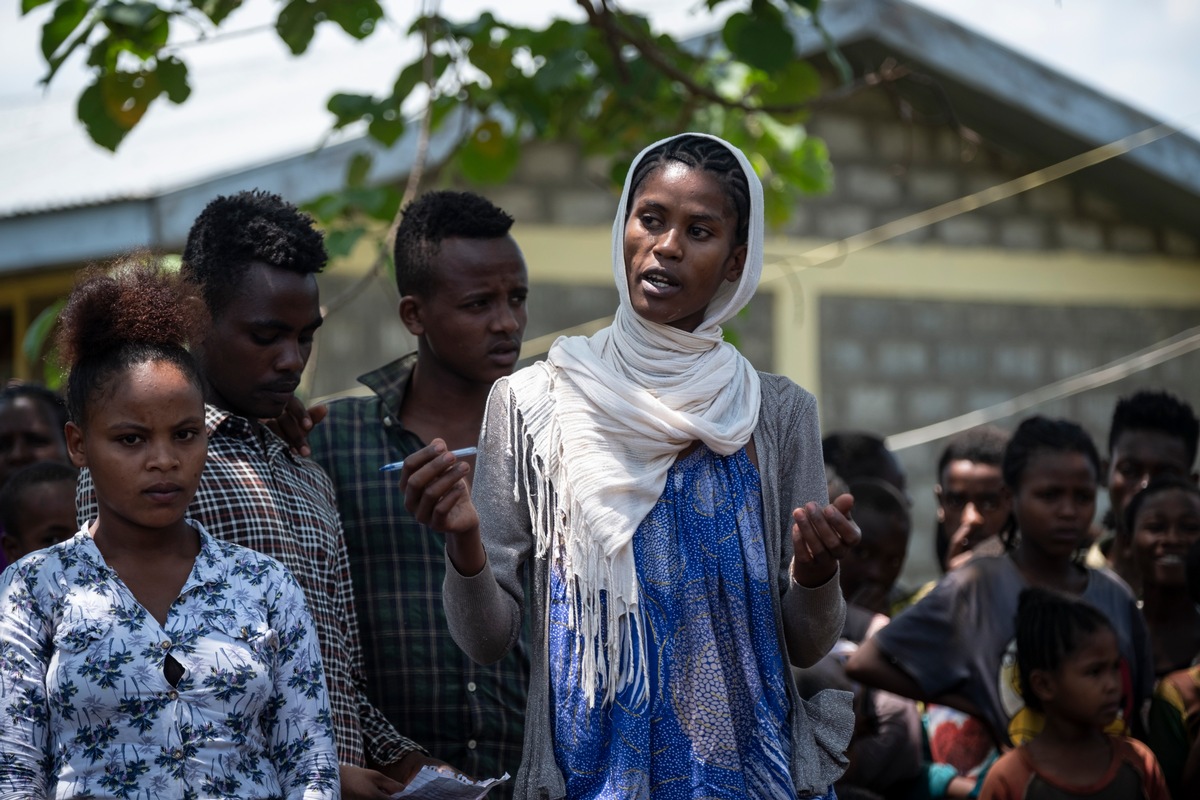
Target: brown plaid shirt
{"points": [[255, 493]]}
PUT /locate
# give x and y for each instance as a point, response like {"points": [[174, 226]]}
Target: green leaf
{"points": [[812, 171], [326, 207], [115, 103], [37, 336], [350, 108], [216, 10], [138, 15], [386, 127], [488, 156], [68, 15], [761, 41], [93, 113], [173, 76], [356, 172], [339, 242], [296, 23], [30, 5], [795, 84], [357, 17]]}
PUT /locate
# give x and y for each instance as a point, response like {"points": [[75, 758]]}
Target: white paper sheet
{"points": [[433, 783]]}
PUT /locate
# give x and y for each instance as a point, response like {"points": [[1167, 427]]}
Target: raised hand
{"points": [[820, 537]]}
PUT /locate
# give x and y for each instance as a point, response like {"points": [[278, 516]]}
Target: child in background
{"points": [[1070, 670], [1153, 434], [1175, 709], [31, 430], [955, 647], [37, 508], [1164, 521], [869, 572]]}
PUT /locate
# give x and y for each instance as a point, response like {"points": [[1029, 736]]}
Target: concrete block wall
{"points": [[886, 167]]}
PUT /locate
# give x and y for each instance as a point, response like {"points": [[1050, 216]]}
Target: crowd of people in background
{"points": [[655, 579]]}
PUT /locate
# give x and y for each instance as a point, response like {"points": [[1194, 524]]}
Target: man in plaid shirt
{"points": [[254, 259], [463, 284]]}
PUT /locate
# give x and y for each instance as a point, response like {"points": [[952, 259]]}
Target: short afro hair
{"points": [[1156, 411], [235, 231], [430, 219]]}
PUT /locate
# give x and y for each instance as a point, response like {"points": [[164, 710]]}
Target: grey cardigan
{"points": [[485, 611]]}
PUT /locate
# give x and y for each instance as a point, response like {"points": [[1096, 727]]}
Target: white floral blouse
{"points": [[86, 706]]}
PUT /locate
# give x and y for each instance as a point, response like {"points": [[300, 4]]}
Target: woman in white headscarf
{"points": [[650, 477]]}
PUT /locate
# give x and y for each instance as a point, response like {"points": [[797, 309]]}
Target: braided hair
{"points": [[700, 152], [1050, 627], [113, 320]]}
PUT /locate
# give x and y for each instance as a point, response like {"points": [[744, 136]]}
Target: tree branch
{"points": [[608, 25]]}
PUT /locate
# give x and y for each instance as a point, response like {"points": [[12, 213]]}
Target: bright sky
{"points": [[252, 102]]}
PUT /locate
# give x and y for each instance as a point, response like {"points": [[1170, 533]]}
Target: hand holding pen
{"points": [[436, 494]]}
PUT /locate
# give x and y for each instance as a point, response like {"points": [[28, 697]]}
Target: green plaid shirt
{"points": [[468, 715]]}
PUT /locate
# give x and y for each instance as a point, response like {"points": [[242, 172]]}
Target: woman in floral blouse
{"points": [[143, 658]]}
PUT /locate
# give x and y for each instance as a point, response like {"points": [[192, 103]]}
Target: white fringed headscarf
{"points": [[621, 406]]}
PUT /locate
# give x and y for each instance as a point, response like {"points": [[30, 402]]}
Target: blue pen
{"points": [[398, 465]]}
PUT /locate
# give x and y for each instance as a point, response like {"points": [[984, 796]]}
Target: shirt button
{"points": [[174, 695], [471, 744], [166, 645], [471, 686], [387, 422]]}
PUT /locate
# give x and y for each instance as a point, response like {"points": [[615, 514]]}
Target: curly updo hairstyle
{"points": [[134, 313], [700, 152]]}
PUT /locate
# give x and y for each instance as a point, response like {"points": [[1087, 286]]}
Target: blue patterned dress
{"points": [[714, 721]]}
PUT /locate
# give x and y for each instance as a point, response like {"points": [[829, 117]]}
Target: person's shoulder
{"points": [[783, 388]]}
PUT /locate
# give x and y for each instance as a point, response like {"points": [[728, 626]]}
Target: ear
{"points": [[410, 314], [941, 512], [75, 445], [1043, 685], [736, 264]]}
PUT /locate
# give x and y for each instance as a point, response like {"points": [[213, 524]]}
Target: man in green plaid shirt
{"points": [[463, 285]]}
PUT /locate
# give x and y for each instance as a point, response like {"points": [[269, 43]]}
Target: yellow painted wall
{"points": [[25, 296]]}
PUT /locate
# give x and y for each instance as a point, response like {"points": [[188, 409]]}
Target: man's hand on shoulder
{"points": [[294, 424]]}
